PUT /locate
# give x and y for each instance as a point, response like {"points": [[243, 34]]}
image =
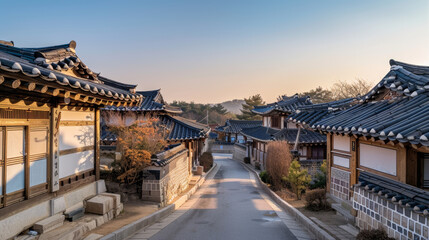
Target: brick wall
{"points": [[340, 182], [400, 222]]}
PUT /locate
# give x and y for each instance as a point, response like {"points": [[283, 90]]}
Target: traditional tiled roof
{"points": [[407, 196], [152, 102], [184, 129], [286, 105], [59, 67], [180, 129], [403, 116], [309, 114], [235, 126], [260, 133], [266, 134], [305, 136]]}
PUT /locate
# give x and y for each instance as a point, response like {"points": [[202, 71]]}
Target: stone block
{"points": [[99, 220], [99, 204], [75, 214], [200, 170], [58, 205], [116, 198], [101, 186], [49, 223], [119, 209]]}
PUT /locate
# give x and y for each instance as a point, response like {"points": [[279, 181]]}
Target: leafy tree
{"points": [[250, 103], [298, 178], [318, 95], [343, 89], [219, 109], [138, 143]]}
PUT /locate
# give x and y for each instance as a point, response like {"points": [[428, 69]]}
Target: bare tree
{"points": [[279, 159], [343, 89]]}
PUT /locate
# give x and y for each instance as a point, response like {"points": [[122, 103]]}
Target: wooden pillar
{"points": [[97, 143], [412, 167], [354, 159], [54, 153], [27, 162], [402, 164], [328, 161]]}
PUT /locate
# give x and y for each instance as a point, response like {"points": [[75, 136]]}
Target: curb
{"points": [[318, 232], [128, 230]]}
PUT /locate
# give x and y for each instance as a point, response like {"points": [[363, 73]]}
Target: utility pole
{"points": [[207, 117]]}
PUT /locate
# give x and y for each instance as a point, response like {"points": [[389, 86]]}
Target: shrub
{"points": [[278, 162], [319, 180], [265, 177], [246, 160], [298, 178], [316, 199], [378, 234], [206, 160]]}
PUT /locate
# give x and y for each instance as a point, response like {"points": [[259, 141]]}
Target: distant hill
{"points": [[233, 106]]}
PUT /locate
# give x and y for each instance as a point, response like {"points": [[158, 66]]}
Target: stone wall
{"points": [[374, 211], [222, 147], [340, 182], [173, 177], [312, 166], [239, 152]]}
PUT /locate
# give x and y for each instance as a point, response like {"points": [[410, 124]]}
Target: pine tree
{"points": [[250, 103], [298, 178]]}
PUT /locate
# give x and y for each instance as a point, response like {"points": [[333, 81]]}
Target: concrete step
{"points": [[343, 211], [116, 198], [49, 223], [194, 179], [350, 229], [100, 204], [71, 230]]}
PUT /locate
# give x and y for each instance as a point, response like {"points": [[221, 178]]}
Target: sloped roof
{"points": [[286, 105], [235, 126], [180, 129], [403, 116], [310, 114], [60, 67], [152, 101], [266, 134]]}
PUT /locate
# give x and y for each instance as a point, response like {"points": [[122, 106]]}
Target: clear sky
{"points": [[211, 51]]}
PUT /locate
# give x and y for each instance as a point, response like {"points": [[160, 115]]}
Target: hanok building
{"points": [[276, 126], [172, 169], [49, 132], [231, 130], [379, 149]]}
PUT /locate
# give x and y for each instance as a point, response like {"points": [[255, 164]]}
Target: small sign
{"points": [[353, 146], [55, 152]]}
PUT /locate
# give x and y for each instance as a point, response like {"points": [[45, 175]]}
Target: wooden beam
{"points": [[53, 91], [41, 88], [28, 86], [12, 83]]}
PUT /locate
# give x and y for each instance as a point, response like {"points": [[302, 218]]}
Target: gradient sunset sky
{"points": [[212, 51]]}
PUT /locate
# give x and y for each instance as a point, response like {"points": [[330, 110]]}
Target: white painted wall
{"points": [[76, 136], [14, 177], [71, 164], [341, 161], [76, 116], [378, 158], [341, 143], [38, 172]]}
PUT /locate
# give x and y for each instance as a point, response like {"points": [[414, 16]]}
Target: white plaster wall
{"points": [[77, 116], [342, 143], [378, 158], [341, 161], [71, 164], [77, 196], [76, 136], [38, 172], [14, 177]]}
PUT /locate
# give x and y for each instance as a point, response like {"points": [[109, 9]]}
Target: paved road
{"points": [[229, 206]]}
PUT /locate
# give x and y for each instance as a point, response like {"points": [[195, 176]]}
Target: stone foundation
{"points": [[399, 222], [340, 182], [239, 152]]}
